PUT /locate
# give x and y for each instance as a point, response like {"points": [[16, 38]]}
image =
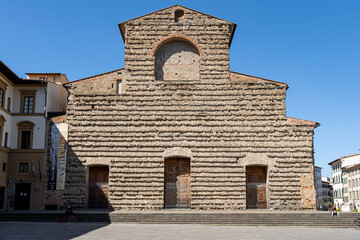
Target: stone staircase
{"points": [[241, 218]]}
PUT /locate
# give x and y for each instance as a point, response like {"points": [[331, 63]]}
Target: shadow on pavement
{"points": [[46, 230]]}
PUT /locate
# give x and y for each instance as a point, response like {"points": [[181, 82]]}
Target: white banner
{"points": [[61, 159], [54, 144]]}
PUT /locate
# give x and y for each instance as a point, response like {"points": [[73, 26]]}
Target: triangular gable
{"points": [[170, 9], [297, 121], [94, 77], [235, 76], [164, 10]]}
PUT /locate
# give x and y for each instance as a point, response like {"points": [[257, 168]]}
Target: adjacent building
{"points": [[353, 183], [25, 105], [318, 186], [337, 181], [340, 177], [175, 128], [327, 190]]}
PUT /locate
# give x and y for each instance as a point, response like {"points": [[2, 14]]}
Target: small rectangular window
{"points": [[23, 167], [4, 167], [6, 139], [118, 87], [25, 139], [9, 104]]}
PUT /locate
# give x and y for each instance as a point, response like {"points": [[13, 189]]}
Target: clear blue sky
{"points": [[314, 46]]}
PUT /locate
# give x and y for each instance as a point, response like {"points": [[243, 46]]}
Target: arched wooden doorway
{"points": [[177, 183], [256, 187], [98, 187]]}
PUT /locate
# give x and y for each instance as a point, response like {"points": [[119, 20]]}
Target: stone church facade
{"points": [[175, 128]]}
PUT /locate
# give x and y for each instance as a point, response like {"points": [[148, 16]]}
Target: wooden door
{"points": [[255, 187], [171, 171], [22, 196], [261, 196], [98, 187], [177, 183], [251, 197]]}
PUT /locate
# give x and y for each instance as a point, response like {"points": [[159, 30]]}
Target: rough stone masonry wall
{"points": [[222, 122], [177, 60], [211, 35], [226, 124]]}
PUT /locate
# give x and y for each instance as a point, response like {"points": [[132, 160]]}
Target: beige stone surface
{"points": [[223, 120]]}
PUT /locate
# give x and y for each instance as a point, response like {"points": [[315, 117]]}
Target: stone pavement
{"points": [[29, 231]]}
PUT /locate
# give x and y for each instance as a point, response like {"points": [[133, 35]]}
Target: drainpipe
{"points": [[45, 146], [43, 84]]}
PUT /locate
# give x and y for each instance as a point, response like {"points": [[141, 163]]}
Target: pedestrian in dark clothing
{"points": [[334, 211]]}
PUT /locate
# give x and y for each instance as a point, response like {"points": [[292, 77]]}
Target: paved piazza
{"points": [[16, 230]]}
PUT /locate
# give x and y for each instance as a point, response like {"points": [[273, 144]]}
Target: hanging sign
{"points": [[58, 147], [61, 159]]}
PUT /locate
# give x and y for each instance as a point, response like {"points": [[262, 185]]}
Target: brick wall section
{"points": [[226, 122], [102, 84]]}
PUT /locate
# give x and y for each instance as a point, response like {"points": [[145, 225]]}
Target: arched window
{"points": [[25, 135], [177, 60]]}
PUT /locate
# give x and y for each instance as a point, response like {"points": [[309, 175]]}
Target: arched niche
{"points": [[177, 60]]}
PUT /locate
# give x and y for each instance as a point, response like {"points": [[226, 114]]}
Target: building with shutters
{"points": [[339, 168], [175, 128], [353, 183]]}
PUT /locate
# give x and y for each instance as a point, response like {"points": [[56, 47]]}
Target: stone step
{"points": [[240, 219]]}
